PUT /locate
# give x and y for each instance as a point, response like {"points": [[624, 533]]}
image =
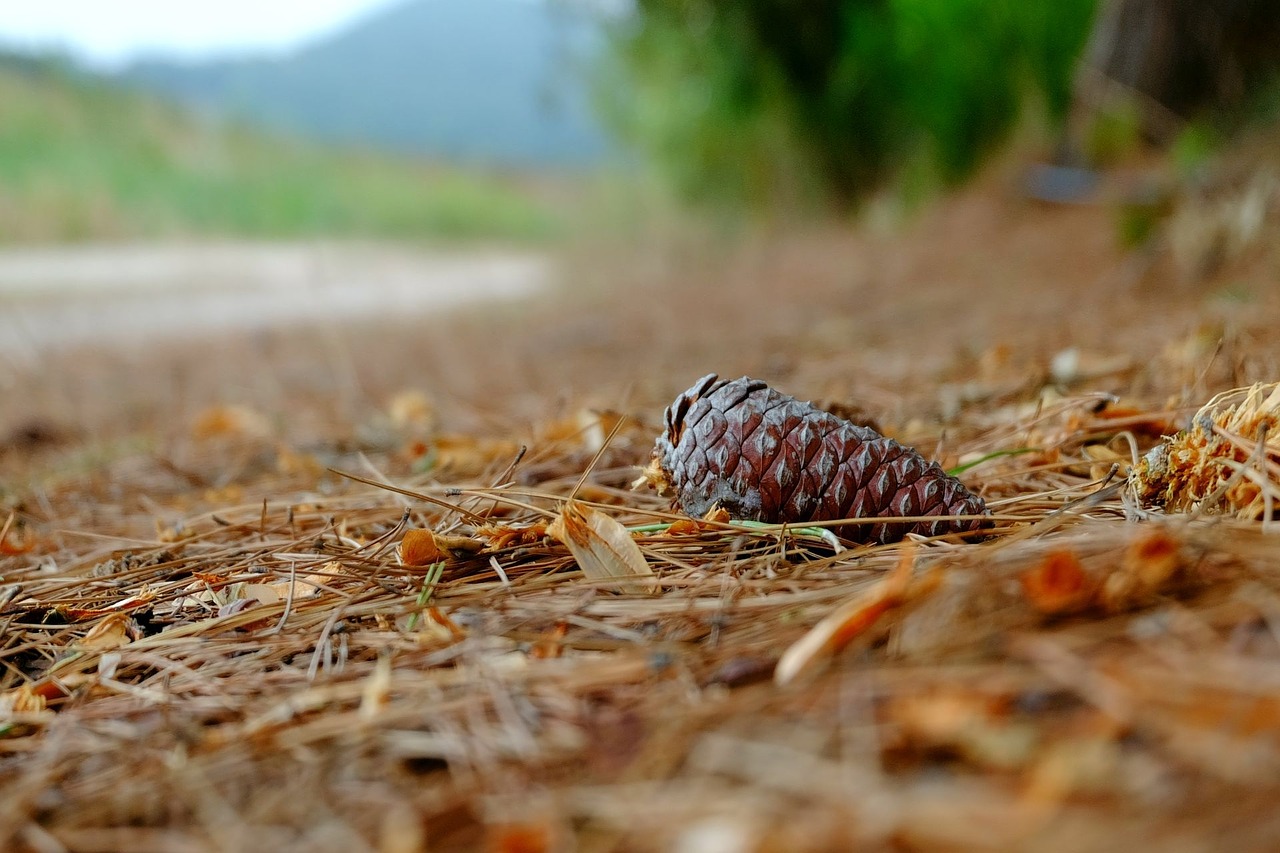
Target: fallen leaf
{"points": [[111, 633], [214, 581], [419, 548], [603, 548], [262, 593], [238, 605], [1101, 459]]}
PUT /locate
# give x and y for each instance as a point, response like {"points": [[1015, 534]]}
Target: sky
{"points": [[107, 33]]}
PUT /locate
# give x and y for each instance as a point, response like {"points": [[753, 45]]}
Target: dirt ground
{"points": [[209, 643]]}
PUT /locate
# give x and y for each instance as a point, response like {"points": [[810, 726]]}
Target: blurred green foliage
{"points": [[1113, 134], [763, 102], [80, 159]]}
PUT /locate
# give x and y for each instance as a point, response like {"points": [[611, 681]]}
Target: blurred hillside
{"points": [[486, 81], [81, 158]]}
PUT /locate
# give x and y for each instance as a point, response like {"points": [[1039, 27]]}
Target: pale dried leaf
{"points": [[111, 633], [603, 548]]}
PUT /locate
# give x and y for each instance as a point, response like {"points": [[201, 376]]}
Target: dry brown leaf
{"points": [[851, 620], [111, 633], [603, 548], [1057, 585], [715, 519]]}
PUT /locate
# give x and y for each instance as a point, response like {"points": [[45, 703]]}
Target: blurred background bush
{"points": [[765, 102], [479, 119]]}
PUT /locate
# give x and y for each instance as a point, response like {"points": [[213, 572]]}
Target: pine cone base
{"points": [[764, 456]]}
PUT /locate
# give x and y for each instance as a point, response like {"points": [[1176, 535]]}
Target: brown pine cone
{"points": [[768, 457]]}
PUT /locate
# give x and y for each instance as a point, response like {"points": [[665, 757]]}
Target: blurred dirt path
{"points": [[52, 298]]}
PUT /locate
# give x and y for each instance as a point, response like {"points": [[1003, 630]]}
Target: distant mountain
{"points": [[480, 81]]}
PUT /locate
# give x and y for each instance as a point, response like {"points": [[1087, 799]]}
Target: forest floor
{"points": [[209, 640]]}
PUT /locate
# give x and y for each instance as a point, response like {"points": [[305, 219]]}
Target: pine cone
{"points": [[768, 457]]}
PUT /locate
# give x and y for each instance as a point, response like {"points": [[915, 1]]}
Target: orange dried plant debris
{"points": [[1058, 584], [1153, 559], [422, 547], [973, 724], [230, 421], [551, 645], [1147, 567], [685, 527], [715, 518], [853, 619], [214, 581], [21, 700], [1215, 467], [14, 546], [503, 536], [521, 838]]}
